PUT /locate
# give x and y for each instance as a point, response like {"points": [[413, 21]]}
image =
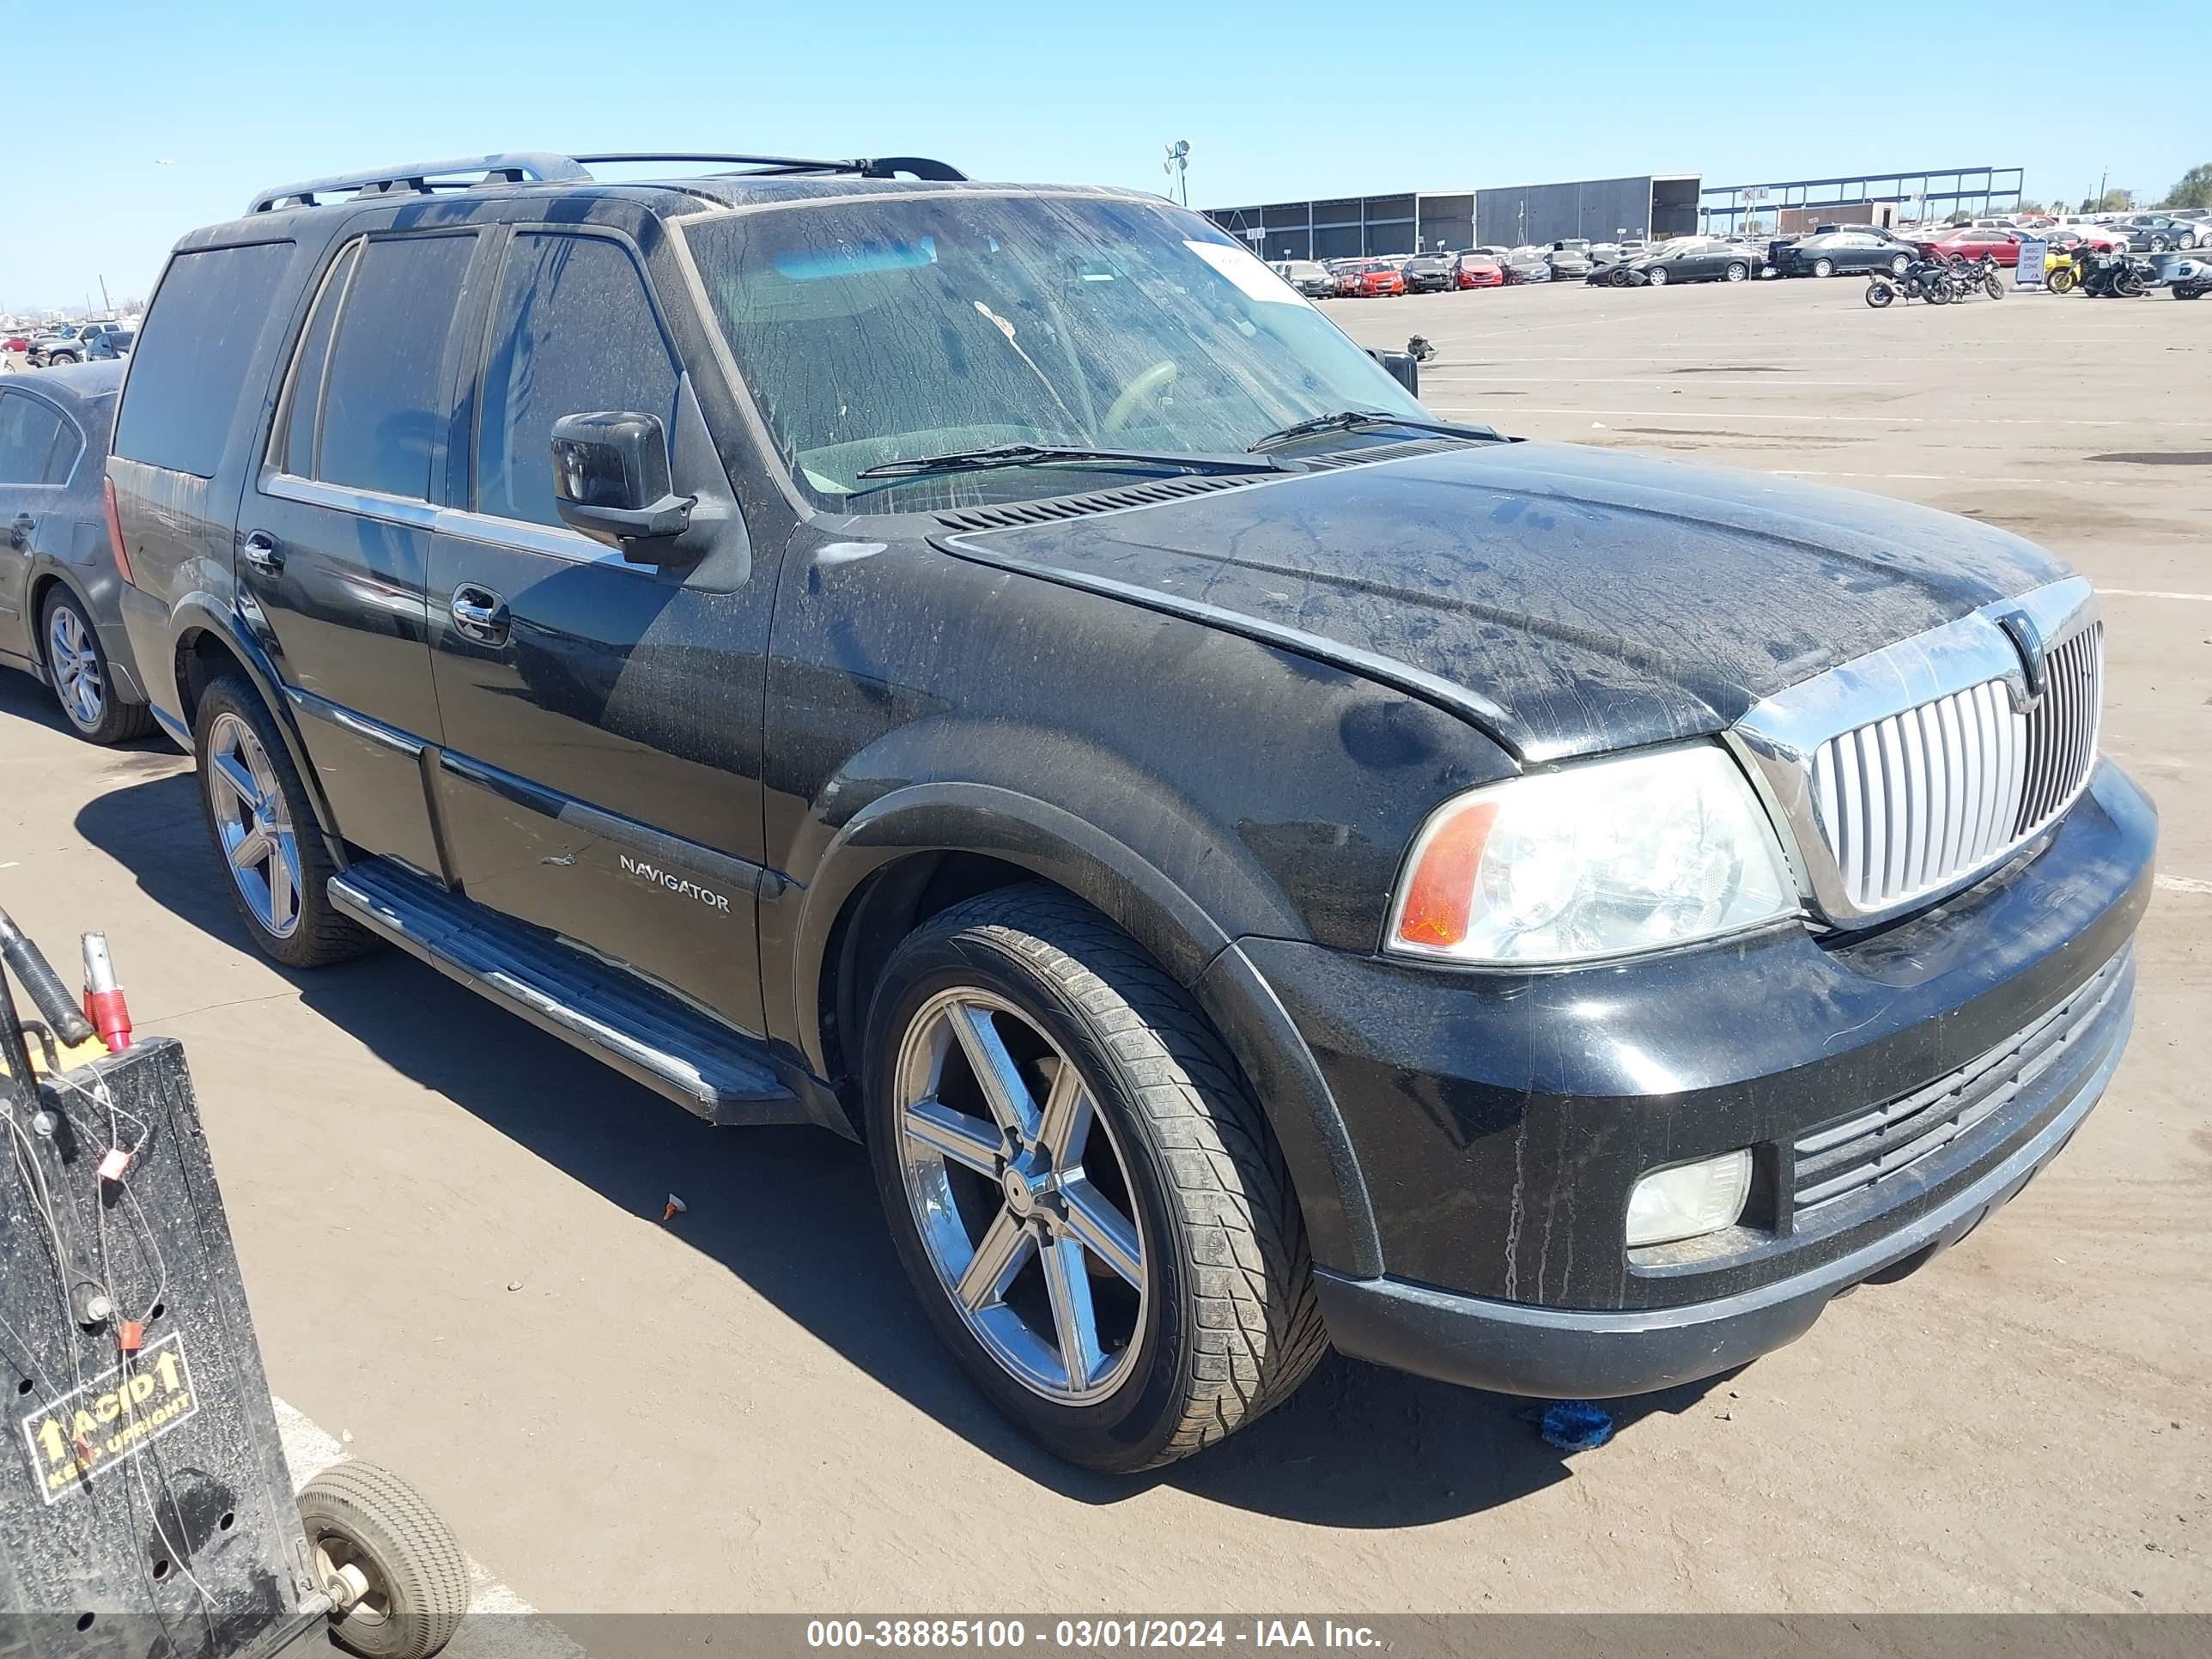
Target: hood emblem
{"points": [[2027, 641]]}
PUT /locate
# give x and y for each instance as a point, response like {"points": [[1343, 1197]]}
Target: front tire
{"points": [[264, 833], [1087, 1200], [56, 359], [82, 683], [1656, 277], [1879, 294]]}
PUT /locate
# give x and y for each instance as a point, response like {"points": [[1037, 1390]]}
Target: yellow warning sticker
{"points": [[104, 1423]]}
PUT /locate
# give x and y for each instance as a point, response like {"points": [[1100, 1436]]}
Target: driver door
{"points": [[602, 764]]}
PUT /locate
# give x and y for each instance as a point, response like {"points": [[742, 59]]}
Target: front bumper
{"points": [[1555, 1353], [1499, 1122]]}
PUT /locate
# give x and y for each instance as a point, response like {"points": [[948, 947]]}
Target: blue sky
{"points": [[1280, 100]]}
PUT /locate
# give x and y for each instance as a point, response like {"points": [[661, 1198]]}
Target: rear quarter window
{"points": [[189, 365]]}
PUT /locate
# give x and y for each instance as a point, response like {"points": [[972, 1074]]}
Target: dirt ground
{"points": [[451, 1226]]}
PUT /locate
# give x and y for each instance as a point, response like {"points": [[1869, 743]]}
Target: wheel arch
{"points": [[211, 644], [929, 846]]}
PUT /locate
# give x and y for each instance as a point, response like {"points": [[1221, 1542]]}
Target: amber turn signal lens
{"points": [[1440, 891]]}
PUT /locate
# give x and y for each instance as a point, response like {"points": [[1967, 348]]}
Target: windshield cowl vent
{"points": [[1105, 500], [1366, 452]]}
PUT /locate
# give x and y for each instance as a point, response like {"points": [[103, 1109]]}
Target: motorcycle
{"points": [[1921, 280], [1963, 276], [2116, 277]]}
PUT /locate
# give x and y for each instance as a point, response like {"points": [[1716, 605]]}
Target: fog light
{"points": [[1690, 1199]]}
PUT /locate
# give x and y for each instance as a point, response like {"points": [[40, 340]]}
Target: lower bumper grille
{"points": [[1851, 1154]]}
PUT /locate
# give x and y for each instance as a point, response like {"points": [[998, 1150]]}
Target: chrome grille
{"points": [[1903, 774], [1909, 802]]}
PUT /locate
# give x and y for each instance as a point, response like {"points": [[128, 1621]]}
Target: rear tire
{"points": [[56, 359], [1210, 1318], [1824, 267], [78, 674], [1899, 265], [1737, 272], [280, 884]]}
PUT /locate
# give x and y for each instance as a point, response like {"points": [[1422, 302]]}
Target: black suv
{"points": [[993, 672]]}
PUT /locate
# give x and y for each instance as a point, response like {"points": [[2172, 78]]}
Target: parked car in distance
{"points": [[1378, 277], [1700, 262], [1244, 887], [2158, 232], [1429, 273], [68, 344], [1347, 273], [1529, 265], [1570, 260], [15, 343], [1311, 279], [1998, 242], [1841, 253], [60, 586], [1478, 270]]}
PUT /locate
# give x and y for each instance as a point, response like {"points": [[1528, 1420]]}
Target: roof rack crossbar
{"points": [[506, 167], [918, 166]]}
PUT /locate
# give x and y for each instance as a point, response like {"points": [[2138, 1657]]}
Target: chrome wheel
{"points": [[1021, 1196], [73, 661], [253, 824]]}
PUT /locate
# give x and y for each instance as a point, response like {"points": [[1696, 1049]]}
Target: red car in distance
{"points": [[1973, 241], [1478, 270], [1379, 277]]}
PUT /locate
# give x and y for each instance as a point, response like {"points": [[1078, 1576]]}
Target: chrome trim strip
{"points": [[1779, 740], [741, 874], [521, 535], [415, 514], [360, 726]]}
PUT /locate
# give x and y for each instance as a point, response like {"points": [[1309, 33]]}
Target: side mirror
{"points": [[610, 480], [1400, 367]]}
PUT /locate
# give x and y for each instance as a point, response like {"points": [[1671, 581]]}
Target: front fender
{"points": [[1157, 910]]}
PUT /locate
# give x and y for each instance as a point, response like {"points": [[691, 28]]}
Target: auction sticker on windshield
{"points": [[104, 1424], [1252, 278]]}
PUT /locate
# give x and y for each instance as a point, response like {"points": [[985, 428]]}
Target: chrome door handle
{"points": [[479, 613], [261, 551]]}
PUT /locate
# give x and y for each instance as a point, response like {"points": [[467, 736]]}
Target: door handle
{"points": [[261, 551], [480, 613], [19, 533]]}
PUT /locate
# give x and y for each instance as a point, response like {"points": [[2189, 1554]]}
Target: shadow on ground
{"points": [[1358, 1446]]}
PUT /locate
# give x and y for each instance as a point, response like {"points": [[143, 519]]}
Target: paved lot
{"points": [[744, 1411]]}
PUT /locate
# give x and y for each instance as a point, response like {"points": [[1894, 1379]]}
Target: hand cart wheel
{"points": [[398, 1581]]}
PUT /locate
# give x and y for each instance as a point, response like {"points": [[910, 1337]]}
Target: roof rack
{"points": [[542, 166]]}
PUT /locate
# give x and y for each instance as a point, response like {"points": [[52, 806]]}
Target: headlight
{"points": [[1599, 859]]}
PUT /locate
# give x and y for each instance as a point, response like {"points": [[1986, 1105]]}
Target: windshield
{"points": [[903, 327]]}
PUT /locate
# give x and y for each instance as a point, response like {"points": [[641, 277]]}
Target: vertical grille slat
{"points": [[1908, 803]]}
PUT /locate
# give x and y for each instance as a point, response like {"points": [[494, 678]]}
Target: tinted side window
{"points": [[573, 332], [303, 397], [381, 395], [189, 367], [30, 434]]}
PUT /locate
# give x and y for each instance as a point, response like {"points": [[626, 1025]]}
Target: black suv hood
{"points": [[1596, 600]]}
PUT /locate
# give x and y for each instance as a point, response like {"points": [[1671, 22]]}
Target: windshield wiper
{"points": [[1367, 420], [998, 455]]}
